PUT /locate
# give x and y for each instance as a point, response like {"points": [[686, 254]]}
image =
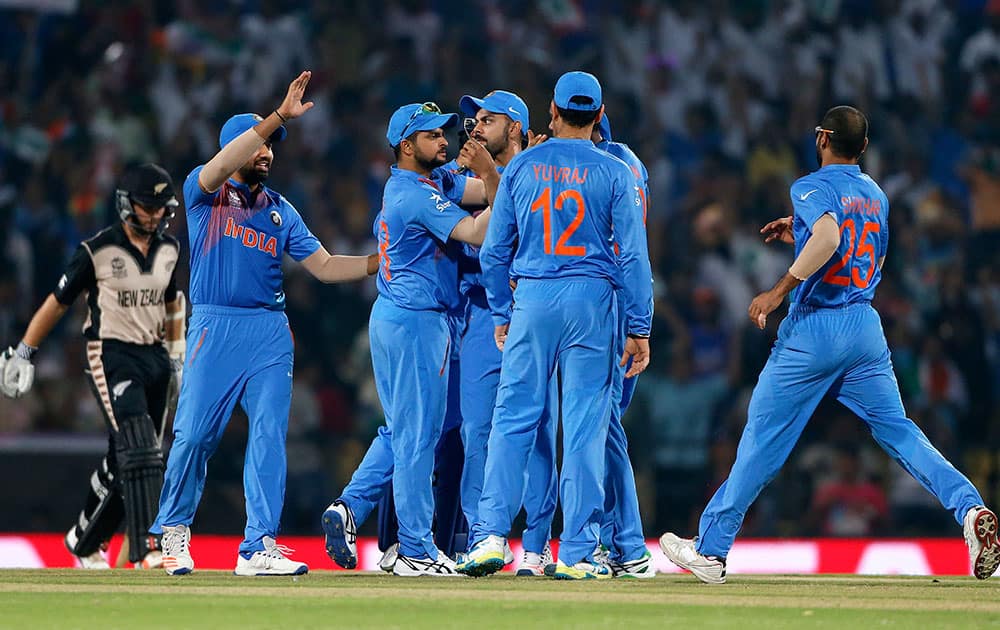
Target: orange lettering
{"points": [[250, 238], [271, 247]]}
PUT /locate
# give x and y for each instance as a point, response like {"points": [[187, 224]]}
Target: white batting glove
{"points": [[17, 374]]}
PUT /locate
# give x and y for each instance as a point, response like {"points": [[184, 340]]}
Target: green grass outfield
{"points": [[51, 598]]}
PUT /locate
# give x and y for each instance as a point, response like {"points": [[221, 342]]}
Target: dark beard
{"points": [[497, 147], [251, 176], [429, 165]]}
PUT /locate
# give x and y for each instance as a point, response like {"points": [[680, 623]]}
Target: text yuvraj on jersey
{"points": [[550, 173], [251, 238]]}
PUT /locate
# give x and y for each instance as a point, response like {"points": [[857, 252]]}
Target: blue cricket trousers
{"points": [[621, 530], [570, 325], [234, 355], [841, 351], [450, 528], [410, 359], [480, 376]]}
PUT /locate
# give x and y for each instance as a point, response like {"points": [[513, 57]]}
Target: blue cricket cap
{"points": [[581, 85], [497, 102], [604, 126], [240, 123], [417, 117]]}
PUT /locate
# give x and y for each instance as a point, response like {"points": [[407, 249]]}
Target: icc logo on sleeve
{"points": [[275, 218], [118, 267]]}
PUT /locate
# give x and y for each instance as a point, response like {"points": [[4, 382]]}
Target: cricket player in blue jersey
{"points": [[450, 527], [830, 342], [623, 546], [420, 229], [240, 344], [560, 208], [500, 122], [621, 531]]}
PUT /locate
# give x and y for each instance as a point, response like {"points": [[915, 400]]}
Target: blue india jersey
{"points": [[418, 263], [862, 211], [237, 243], [560, 209]]}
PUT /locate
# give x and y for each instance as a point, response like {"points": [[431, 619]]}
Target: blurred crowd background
{"points": [[719, 99]]}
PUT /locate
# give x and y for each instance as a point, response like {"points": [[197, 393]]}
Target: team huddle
{"points": [[514, 298]]}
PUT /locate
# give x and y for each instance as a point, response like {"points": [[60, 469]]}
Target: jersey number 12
{"points": [[544, 203]]}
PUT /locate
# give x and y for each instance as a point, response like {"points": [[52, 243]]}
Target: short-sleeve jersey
{"points": [[126, 291], [237, 243], [862, 211], [418, 263]]}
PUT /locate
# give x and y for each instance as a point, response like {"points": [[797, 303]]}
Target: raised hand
{"points": [[476, 158], [292, 106], [535, 139], [779, 229]]}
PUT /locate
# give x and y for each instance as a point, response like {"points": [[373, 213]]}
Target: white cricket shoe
{"points": [[442, 566], [97, 560], [980, 529], [388, 560], [641, 568], [486, 557], [269, 561], [533, 564], [341, 535], [176, 544], [682, 552]]}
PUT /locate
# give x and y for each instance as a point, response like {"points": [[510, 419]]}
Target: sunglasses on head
{"points": [[425, 108], [820, 130]]}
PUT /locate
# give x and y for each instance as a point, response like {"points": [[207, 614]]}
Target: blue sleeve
{"points": [[196, 199], [811, 199], [452, 184], [884, 249], [301, 243], [497, 253], [436, 213], [626, 214]]}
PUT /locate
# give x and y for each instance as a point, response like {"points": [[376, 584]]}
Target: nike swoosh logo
{"points": [[513, 111], [806, 195]]}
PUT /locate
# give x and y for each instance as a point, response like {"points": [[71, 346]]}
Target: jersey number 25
{"points": [[864, 248]]}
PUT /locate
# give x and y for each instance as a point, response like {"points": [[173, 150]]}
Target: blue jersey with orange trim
{"points": [[559, 210], [237, 242], [862, 211], [418, 263]]}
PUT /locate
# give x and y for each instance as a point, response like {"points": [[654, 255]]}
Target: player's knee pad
{"points": [[140, 468], [102, 513]]}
